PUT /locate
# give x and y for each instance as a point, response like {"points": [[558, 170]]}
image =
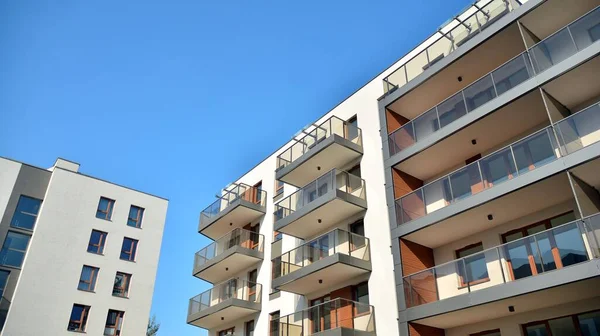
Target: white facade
{"points": [[47, 287]]}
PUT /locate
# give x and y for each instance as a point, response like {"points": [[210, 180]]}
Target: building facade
{"points": [[79, 254], [456, 193]]}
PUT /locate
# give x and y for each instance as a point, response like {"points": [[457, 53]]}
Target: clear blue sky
{"points": [[179, 98]]}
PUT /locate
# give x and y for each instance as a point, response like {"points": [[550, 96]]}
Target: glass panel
{"points": [[13, 250], [402, 138], [534, 152], [464, 32], [498, 167], [511, 74], [589, 324], [416, 66], [413, 206], [537, 330], [517, 256], [493, 11], [397, 78], [426, 124], [580, 130], [586, 30], [26, 213], [552, 50], [476, 268], [479, 93], [423, 288], [544, 246], [437, 195], [563, 326], [438, 50], [570, 245], [451, 109], [466, 182]]}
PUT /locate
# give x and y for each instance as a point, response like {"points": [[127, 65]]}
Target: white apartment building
{"points": [[79, 254]]}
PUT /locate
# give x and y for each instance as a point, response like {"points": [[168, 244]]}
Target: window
{"points": [[257, 191], [128, 249], [227, 332], [361, 295], [252, 287], [97, 241], [78, 319], [357, 239], [274, 324], [114, 323], [278, 187], [495, 332], [277, 236], [584, 324], [105, 208], [26, 213], [473, 268], [3, 281], [319, 314], [14, 249], [121, 285], [87, 280], [249, 328], [135, 216], [352, 128]]}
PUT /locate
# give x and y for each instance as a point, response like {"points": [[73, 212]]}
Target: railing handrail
{"points": [[240, 283], [321, 236], [572, 116], [228, 234], [476, 161], [344, 122], [329, 302], [501, 245], [227, 192], [564, 27], [439, 30], [301, 189]]}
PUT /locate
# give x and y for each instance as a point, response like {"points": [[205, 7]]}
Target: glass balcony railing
{"points": [[559, 247], [329, 127], [229, 196], [334, 242], [550, 51], [237, 237], [574, 132], [230, 289], [337, 313], [450, 37], [334, 179]]}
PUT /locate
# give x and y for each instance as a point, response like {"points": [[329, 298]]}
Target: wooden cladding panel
{"points": [[394, 120], [404, 183], [415, 258], [415, 329]]}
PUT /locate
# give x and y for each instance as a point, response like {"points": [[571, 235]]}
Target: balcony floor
{"points": [[231, 310], [228, 263]]}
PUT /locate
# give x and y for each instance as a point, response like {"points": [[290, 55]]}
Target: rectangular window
{"points": [[277, 236], [227, 332], [3, 281], [26, 213], [257, 192], [121, 286], [105, 208], [97, 241], [78, 319], [128, 249], [361, 295], [14, 249], [274, 323], [87, 280], [495, 332], [473, 268], [250, 328], [114, 323], [135, 216], [278, 187], [584, 324]]}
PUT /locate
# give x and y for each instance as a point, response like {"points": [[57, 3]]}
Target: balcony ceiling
{"points": [[561, 12], [579, 87], [588, 172], [480, 61], [529, 200], [494, 131]]}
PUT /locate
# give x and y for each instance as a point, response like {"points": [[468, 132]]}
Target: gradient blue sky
{"points": [[179, 98]]}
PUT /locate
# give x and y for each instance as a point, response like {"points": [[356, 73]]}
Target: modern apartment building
{"points": [[456, 193], [79, 254]]}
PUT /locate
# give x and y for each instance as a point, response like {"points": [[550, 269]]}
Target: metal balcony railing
{"points": [[237, 237], [230, 289], [229, 196]]}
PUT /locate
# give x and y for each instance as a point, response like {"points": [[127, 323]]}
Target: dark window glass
{"points": [[97, 241], [227, 332], [114, 322], [474, 267], [274, 324], [589, 323], [128, 249], [135, 216], [121, 285], [278, 187], [26, 213], [361, 294], [3, 280], [250, 328], [87, 280], [14, 249], [105, 208], [78, 319]]}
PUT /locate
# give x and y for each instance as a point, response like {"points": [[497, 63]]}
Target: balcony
{"points": [[333, 144], [234, 208], [325, 261], [321, 204], [230, 254], [473, 20], [567, 246], [225, 303], [554, 49], [338, 317], [573, 133]]}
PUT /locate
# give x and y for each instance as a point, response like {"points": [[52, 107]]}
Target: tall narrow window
{"points": [[227, 332], [135, 216], [97, 241], [26, 213], [278, 187], [78, 319], [257, 190], [361, 295], [105, 208], [3, 281], [352, 128], [114, 323], [121, 286], [473, 268], [128, 249], [250, 328], [274, 324], [14, 249], [87, 280]]}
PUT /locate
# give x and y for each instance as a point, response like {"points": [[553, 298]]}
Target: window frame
{"points": [[247, 329], [274, 327], [355, 297], [91, 284], [35, 215], [546, 322], [226, 332], [110, 208], [486, 332], [278, 188], [82, 318], [139, 216], [13, 249], [461, 279], [125, 287], [118, 323], [2, 288], [132, 250], [101, 243]]}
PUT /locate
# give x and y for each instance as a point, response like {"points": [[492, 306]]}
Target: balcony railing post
{"points": [[539, 252], [466, 276], [501, 265], [462, 92], [437, 114], [481, 174], [572, 39], [437, 291], [494, 84], [512, 153]]}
